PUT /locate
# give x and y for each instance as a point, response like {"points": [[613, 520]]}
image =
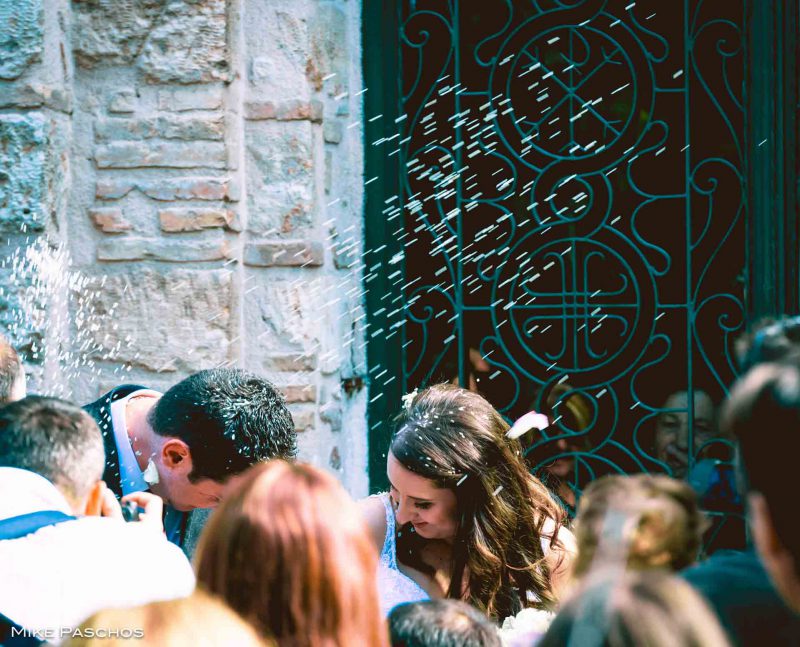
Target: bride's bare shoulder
{"points": [[373, 511]]}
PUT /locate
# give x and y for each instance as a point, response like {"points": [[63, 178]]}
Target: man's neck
{"points": [[140, 433]]}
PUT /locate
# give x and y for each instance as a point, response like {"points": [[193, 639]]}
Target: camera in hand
{"points": [[131, 511]]}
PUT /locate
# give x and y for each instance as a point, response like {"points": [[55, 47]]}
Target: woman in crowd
{"points": [[289, 552], [199, 620], [652, 608], [638, 522], [474, 524]]}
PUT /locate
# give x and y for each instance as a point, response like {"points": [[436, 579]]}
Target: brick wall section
{"points": [[216, 186]]}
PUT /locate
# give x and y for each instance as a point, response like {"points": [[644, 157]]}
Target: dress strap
{"points": [[389, 550]]}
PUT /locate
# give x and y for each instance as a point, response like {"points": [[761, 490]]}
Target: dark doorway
{"points": [[557, 217]]}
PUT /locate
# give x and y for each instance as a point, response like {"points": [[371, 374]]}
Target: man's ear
{"points": [[94, 501], [175, 455]]}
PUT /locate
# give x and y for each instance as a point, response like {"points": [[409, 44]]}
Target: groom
{"points": [[188, 444]]}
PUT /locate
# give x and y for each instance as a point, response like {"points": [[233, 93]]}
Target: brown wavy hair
{"points": [[455, 438], [288, 550]]}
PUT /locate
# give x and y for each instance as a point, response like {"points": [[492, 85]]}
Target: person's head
{"points": [[672, 429], [56, 440], [199, 620], [288, 550], [769, 340], [762, 413], [212, 426], [651, 608], [441, 623], [12, 373], [455, 476], [644, 521]]}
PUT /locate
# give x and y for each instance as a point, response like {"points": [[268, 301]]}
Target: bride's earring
{"points": [[150, 473]]}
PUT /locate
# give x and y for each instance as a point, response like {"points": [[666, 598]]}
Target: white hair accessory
{"points": [[408, 399], [531, 420], [150, 474]]}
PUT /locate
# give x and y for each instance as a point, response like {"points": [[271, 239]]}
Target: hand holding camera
{"points": [[138, 507]]}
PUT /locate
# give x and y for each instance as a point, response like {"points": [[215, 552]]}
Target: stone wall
{"points": [[202, 162]]}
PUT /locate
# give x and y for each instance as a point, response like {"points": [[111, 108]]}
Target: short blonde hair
{"points": [[663, 524], [199, 620]]}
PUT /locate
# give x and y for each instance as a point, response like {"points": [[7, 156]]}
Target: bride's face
{"points": [[430, 509]]}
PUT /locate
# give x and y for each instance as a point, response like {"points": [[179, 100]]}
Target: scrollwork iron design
{"points": [[573, 215]]}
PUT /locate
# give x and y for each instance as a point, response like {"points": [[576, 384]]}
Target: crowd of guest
{"points": [[184, 518]]}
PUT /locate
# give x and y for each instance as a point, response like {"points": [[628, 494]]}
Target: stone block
{"points": [[280, 181], [175, 320], [124, 129], [304, 418], [189, 128], [177, 219], [282, 50], [158, 153], [112, 188], [182, 188], [332, 414], [206, 97], [292, 362], [332, 131], [212, 128], [291, 110], [112, 32], [299, 392], [21, 36], [109, 220], [23, 172], [328, 44], [157, 249], [284, 253], [122, 102], [283, 317], [188, 44]]}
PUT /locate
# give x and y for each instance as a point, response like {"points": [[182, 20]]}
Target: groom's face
{"points": [[184, 495]]}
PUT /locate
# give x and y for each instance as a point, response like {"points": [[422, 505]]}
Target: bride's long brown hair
{"points": [[288, 550], [455, 438]]}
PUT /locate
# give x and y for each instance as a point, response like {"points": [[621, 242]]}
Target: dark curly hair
{"points": [[229, 418], [455, 438]]}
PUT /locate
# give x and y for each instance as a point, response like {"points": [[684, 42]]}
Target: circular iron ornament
{"points": [[590, 302], [572, 92]]}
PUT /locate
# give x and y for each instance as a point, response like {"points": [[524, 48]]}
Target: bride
{"points": [[463, 517]]}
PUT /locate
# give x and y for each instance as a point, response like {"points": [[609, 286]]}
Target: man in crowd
{"points": [[736, 584], [441, 623], [12, 373], [763, 414], [187, 444], [60, 560]]}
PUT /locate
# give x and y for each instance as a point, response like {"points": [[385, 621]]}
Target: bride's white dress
{"points": [[393, 587]]}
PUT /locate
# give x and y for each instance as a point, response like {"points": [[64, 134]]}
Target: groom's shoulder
{"points": [[95, 408]]}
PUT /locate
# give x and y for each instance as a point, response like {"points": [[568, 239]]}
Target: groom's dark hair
{"points": [[229, 418]]}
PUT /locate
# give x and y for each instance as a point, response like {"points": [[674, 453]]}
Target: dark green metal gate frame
{"points": [[771, 159]]}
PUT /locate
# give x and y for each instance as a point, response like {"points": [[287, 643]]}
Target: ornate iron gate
{"points": [[555, 214]]}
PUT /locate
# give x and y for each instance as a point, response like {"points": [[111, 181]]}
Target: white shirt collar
{"points": [[131, 477], [32, 493]]}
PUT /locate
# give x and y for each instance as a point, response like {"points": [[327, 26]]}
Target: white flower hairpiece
{"points": [[408, 398], [531, 420]]}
